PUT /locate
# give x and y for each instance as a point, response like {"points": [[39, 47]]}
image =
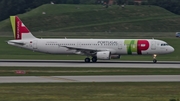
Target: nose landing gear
{"points": [[154, 58]]}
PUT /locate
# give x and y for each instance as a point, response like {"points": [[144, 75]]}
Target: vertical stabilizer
{"points": [[19, 29]]}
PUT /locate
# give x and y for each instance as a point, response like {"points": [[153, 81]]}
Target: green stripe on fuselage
{"points": [[131, 46]]}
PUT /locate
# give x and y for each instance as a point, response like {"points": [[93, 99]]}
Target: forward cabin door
{"points": [[153, 45]]}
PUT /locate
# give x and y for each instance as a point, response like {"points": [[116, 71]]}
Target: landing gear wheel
{"points": [[87, 60], [154, 58], [94, 59], [154, 61]]}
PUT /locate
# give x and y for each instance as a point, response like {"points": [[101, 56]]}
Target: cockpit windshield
{"points": [[164, 44]]}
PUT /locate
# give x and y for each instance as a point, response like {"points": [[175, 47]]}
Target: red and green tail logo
{"points": [[18, 27]]}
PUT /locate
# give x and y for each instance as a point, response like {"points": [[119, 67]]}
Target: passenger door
{"points": [[153, 45], [35, 44]]}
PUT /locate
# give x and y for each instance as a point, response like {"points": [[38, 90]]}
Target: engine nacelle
{"points": [[104, 55], [115, 56]]}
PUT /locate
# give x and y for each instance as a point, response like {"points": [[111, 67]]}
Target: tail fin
{"points": [[19, 29]]}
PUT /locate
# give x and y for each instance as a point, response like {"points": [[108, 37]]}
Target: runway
{"points": [[80, 63], [56, 79]]}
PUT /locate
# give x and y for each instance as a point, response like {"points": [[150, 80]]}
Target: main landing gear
{"points": [[154, 58], [87, 60]]}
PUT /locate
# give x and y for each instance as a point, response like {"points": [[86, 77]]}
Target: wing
{"points": [[87, 51], [79, 48]]}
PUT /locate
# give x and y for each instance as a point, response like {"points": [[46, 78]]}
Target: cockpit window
{"points": [[164, 44]]}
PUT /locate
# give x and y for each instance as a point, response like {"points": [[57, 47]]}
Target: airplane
{"points": [[98, 49]]}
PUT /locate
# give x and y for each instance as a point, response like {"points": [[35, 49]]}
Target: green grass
{"points": [[90, 92], [67, 71], [140, 25], [93, 18]]}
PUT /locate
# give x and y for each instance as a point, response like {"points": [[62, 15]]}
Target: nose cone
{"points": [[171, 49]]}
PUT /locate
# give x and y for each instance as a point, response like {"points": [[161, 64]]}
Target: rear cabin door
{"points": [[35, 44]]}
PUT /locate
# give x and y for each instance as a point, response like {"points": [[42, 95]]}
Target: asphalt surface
{"points": [[53, 79], [80, 63]]}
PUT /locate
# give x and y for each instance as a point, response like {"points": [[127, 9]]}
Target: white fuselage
{"points": [[115, 46], [98, 49]]}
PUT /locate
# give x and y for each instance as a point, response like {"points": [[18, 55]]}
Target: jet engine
{"points": [[104, 55], [115, 56]]}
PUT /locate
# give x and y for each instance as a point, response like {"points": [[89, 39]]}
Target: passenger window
{"points": [[143, 45]]}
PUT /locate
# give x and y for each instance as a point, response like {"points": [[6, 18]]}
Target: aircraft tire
{"points": [[154, 61], [87, 60]]}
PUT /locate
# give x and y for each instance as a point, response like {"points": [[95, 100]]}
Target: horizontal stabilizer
{"points": [[18, 43]]}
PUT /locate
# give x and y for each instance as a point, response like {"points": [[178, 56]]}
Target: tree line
{"points": [[13, 7], [171, 5]]}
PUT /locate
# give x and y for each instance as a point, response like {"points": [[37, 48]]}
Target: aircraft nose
{"points": [[171, 49]]}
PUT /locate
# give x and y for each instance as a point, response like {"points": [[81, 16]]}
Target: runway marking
{"points": [[59, 78], [104, 78]]}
